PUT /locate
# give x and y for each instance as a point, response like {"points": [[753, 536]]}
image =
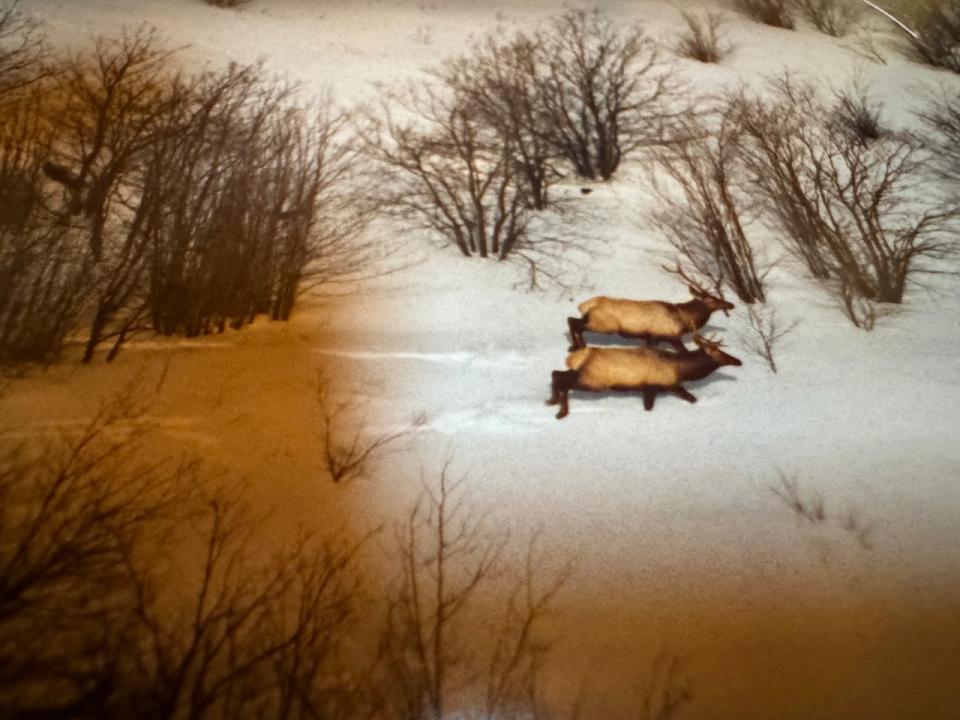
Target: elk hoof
{"points": [[562, 414]]}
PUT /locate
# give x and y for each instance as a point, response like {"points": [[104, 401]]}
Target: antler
{"points": [[677, 269], [713, 342], [695, 285]]}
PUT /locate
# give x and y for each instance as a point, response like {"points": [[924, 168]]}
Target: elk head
{"points": [[713, 351], [713, 302]]}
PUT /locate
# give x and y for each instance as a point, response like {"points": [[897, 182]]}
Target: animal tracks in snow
{"points": [[467, 359]]}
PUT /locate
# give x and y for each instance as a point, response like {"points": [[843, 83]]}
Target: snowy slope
{"points": [[678, 538]]}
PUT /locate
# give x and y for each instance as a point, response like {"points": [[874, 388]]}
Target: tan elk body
{"points": [[650, 320], [644, 370]]}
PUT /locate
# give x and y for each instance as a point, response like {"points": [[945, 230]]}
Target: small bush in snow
{"points": [[858, 113], [765, 333], [701, 41], [775, 13], [833, 17]]}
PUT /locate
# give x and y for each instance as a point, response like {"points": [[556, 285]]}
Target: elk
{"points": [[650, 320], [644, 370]]}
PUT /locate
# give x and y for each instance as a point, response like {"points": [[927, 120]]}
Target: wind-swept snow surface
{"points": [[682, 522]]}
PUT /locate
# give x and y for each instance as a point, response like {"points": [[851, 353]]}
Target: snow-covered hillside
{"points": [[678, 538]]}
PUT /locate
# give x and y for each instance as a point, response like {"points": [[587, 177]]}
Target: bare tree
{"points": [[254, 635], [705, 222], [606, 92]]}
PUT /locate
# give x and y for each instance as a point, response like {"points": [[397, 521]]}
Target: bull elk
{"points": [[650, 320], [644, 370]]}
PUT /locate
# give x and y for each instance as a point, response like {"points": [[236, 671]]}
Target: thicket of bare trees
{"points": [[847, 207], [136, 197], [96, 621], [133, 589], [472, 152]]}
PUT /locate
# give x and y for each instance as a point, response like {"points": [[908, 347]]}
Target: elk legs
{"points": [[682, 392], [576, 333], [562, 381]]}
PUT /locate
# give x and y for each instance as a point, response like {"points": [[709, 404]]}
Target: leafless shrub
{"points": [[934, 33], [862, 311], [226, 3], [113, 104], [100, 224], [349, 450], [446, 559], [44, 282], [766, 332], [70, 510], [941, 132], [775, 13], [270, 173], [499, 82], [848, 209], [97, 621], [667, 691], [23, 52], [701, 41], [858, 113], [606, 92], [833, 17], [811, 508], [706, 222], [451, 173], [263, 634], [868, 45]]}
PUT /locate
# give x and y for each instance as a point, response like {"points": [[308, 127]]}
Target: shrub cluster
{"points": [[134, 196]]}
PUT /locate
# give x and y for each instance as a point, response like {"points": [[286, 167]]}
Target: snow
{"points": [[679, 541]]}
